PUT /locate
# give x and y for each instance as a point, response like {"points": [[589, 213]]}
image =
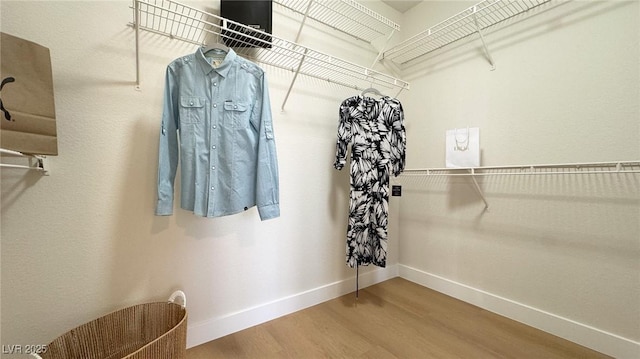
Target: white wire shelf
{"points": [[589, 168], [473, 20], [347, 16], [185, 23], [528, 170], [36, 163]]}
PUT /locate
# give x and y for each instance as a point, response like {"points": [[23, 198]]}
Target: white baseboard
{"points": [[596, 339], [203, 332]]}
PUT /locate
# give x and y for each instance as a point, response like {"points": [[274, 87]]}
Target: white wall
{"points": [[83, 241], [559, 252]]}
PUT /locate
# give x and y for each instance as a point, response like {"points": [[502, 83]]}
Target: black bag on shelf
{"points": [[254, 14]]}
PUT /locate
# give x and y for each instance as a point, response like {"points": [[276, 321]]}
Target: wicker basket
{"points": [[145, 331]]}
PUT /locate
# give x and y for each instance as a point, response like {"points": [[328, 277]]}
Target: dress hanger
{"points": [[371, 90], [215, 46]]}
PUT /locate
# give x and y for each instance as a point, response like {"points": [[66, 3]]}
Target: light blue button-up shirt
{"points": [[217, 120]]}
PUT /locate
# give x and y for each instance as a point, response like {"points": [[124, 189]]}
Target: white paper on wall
{"points": [[463, 147]]}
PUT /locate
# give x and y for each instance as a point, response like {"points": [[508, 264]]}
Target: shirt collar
{"points": [[223, 69]]}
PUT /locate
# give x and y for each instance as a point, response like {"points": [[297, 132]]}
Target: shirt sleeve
{"points": [[267, 186], [344, 136], [398, 141], [168, 147]]}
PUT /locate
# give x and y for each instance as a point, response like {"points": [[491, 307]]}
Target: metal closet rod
{"points": [[577, 168]]}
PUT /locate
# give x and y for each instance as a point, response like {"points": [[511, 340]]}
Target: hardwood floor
{"points": [[393, 319]]}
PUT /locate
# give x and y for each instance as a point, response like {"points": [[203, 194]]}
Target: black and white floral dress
{"points": [[375, 130]]}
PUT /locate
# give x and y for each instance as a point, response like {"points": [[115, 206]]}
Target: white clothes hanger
{"points": [[371, 90], [215, 46]]}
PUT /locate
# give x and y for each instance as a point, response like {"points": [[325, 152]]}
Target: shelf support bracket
{"points": [[391, 67], [399, 92], [136, 26], [304, 20], [384, 46], [36, 162], [295, 76], [484, 44], [478, 189]]}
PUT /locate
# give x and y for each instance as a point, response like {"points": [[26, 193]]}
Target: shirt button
{"points": [[215, 105], [212, 188], [214, 147], [214, 127], [235, 107], [215, 84], [213, 167], [191, 103]]}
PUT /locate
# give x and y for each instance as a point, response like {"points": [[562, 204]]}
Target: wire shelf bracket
{"points": [[484, 44], [177, 21], [36, 162], [588, 168], [475, 19]]}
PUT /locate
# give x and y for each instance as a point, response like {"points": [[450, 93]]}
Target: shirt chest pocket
{"points": [[236, 115], [192, 109]]}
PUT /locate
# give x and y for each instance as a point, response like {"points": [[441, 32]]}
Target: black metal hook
{"points": [[5, 81]]}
